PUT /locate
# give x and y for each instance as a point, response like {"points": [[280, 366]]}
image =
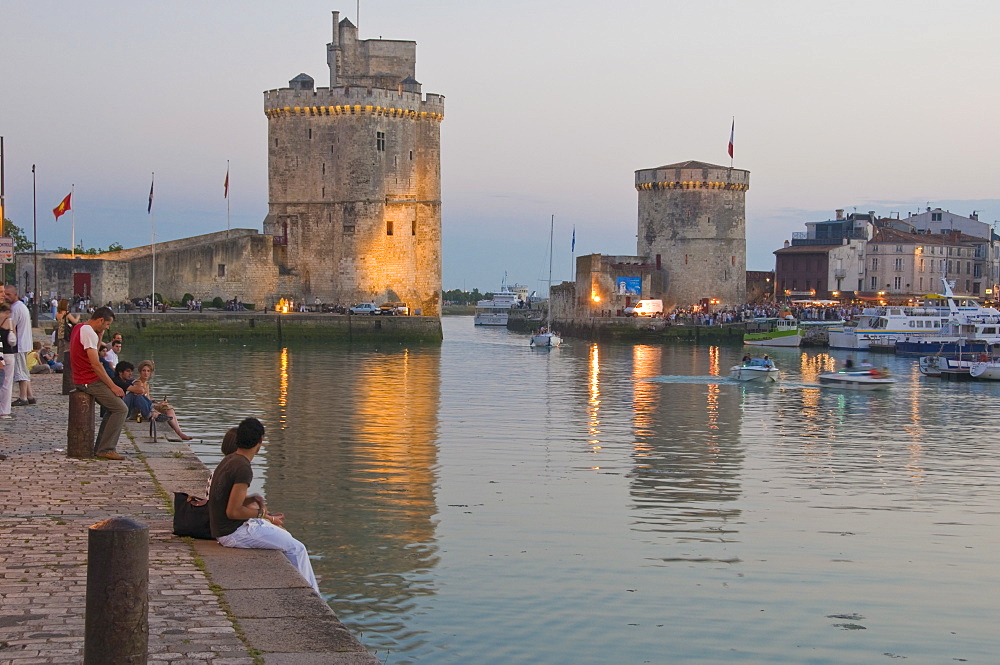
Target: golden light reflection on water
{"points": [[283, 388], [645, 394], [594, 397]]}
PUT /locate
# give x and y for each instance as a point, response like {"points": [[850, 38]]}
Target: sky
{"points": [[550, 108]]}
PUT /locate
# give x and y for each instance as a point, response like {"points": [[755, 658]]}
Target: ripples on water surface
{"points": [[483, 502]]}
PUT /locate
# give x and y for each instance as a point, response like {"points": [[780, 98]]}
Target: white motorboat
{"points": [[761, 370], [545, 338], [858, 379], [985, 368]]}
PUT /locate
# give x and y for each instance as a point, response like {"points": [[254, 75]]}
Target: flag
{"points": [[732, 133], [149, 208], [63, 206], [572, 246], [226, 185]]}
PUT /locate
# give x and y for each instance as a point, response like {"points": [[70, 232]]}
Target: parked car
{"points": [[364, 308], [394, 308]]}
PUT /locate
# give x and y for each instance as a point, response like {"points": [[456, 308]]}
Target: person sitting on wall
{"points": [[90, 377], [242, 520], [141, 384]]}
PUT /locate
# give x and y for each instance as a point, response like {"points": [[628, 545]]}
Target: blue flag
{"points": [[149, 208], [572, 246]]}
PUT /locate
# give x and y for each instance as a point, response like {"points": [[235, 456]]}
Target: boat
{"points": [[545, 338], [938, 365], [959, 325], [783, 331], [761, 370], [858, 379], [986, 368], [496, 310]]}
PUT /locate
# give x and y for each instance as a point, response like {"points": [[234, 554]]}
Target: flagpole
{"points": [[227, 199], [152, 240], [72, 223], [572, 257]]}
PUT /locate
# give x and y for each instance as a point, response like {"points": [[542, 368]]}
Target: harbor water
{"points": [[485, 502]]}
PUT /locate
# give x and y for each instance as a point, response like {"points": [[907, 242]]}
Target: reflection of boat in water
{"points": [[784, 331], [761, 370], [858, 379]]}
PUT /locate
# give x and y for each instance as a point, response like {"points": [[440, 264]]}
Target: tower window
{"points": [[411, 155], [348, 228], [275, 143], [324, 168], [413, 227], [310, 134], [380, 141], [222, 270], [388, 228]]}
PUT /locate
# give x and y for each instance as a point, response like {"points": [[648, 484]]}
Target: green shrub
{"points": [[218, 302]]}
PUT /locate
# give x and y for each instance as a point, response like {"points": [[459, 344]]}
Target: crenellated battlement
{"points": [[354, 100]]}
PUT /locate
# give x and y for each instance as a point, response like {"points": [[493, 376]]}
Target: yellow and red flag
{"points": [[61, 209]]}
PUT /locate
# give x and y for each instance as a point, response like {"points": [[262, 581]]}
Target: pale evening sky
{"points": [[551, 106]]}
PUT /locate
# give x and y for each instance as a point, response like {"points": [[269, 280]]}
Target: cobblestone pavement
{"points": [[47, 502]]}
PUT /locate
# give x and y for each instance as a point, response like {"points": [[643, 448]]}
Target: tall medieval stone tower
{"points": [[354, 178], [692, 222]]}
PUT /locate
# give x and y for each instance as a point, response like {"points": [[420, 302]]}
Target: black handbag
{"points": [[191, 516]]}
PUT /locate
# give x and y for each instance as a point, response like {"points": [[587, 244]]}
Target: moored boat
{"points": [[761, 370], [858, 379], [986, 368], [783, 331]]}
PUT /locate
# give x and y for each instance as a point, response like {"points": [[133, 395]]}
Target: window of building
{"points": [[310, 134], [975, 288], [411, 155], [935, 217], [899, 249], [388, 228], [899, 264], [275, 143], [348, 228], [380, 141], [897, 283], [875, 264], [413, 227], [222, 270], [968, 268], [921, 266], [874, 283], [324, 168], [977, 270]]}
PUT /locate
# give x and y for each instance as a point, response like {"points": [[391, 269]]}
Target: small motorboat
{"points": [[858, 379], [761, 370]]}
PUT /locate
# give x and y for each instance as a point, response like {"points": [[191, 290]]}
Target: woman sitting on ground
{"points": [[141, 386], [102, 353], [34, 361]]}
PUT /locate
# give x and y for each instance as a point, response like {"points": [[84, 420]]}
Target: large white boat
{"points": [[496, 311], [784, 331], [913, 326]]}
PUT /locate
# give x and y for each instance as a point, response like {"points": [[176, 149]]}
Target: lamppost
{"points": [[34, 249]]}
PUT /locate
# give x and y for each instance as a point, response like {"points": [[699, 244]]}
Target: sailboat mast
{"points": [[548, 313]]}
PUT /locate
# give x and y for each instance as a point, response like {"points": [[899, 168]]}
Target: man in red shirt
{"points": [[90, 377]]}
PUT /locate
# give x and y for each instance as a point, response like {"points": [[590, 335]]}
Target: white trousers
{"points": [[6, 383], [259, 534]]}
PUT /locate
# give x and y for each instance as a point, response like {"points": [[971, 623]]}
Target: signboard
{"points": [[628, 286], [6, 250]]}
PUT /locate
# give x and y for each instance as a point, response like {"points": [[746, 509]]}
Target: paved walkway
{"points": [[207, 604]]}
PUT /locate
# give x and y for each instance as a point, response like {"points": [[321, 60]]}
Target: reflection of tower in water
{"points": [[687, 450], [353, 466]]}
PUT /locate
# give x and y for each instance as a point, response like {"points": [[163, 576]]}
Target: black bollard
{"points": [[80, 429], [116, 623], [67, 386]]}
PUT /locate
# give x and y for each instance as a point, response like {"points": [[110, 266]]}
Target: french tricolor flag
{"points": [[732, 133]]}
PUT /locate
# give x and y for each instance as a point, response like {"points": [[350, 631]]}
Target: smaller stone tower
{"points": [[692, 224]]}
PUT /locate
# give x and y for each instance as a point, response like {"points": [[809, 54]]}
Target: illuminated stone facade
{"points": [[692, 227], [354, 178]]}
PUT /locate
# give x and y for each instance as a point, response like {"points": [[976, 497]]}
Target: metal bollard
{"points": [[67, 386], [117, 622], [80, 429]]}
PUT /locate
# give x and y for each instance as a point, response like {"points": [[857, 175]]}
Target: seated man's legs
{"points": [[111, 425], [261, 534]]}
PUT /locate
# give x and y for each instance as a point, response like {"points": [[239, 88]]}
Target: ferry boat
{"points": [[784, 331], [495, 312], [970, 329]]}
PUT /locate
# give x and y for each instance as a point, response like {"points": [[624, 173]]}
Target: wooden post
{"points": [[116, 626], [67, 385], [80, 429]]}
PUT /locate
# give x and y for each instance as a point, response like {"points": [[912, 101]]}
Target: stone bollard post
{"points": [[67, 386], [117, 622], [80, 429]]}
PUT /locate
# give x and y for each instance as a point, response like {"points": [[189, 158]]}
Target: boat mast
{"points": [[548, 312]]}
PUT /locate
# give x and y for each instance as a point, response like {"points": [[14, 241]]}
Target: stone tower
{"points": [[354, 178], [692, 223]]}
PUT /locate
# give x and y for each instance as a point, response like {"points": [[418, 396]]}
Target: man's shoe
{"points": [[19, 402], [111, 455], [32, 400], [6, 416]]}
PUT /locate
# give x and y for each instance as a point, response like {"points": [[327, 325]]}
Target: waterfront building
{"points": [[354, 212]]}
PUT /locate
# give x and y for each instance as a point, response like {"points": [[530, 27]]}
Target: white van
{"points": [[645, 308]]}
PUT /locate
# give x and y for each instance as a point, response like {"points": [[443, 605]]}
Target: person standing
{"points": [[6, 360], [241, 520], [90, 377], [21, 318]]}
